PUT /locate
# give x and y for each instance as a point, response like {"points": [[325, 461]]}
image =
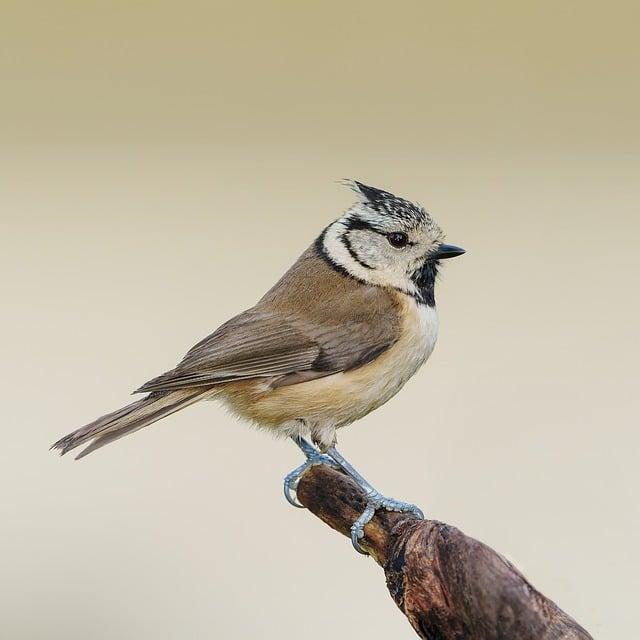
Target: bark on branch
{"points": [[449, 586]]}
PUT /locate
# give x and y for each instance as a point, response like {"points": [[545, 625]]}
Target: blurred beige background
{"points": [[163, 163]]}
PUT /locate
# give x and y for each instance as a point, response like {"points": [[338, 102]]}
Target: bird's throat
{"points": [[425, 281]]}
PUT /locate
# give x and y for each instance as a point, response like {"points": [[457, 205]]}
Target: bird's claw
{"points": [[377, 501], [374, 499], [292, 479]]}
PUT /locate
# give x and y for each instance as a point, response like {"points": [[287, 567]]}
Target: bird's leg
{"points": [[313, 457], [375, 500]]}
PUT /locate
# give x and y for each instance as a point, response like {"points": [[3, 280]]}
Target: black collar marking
{"points": [[322, 252], [344, 238], [424, 278]]}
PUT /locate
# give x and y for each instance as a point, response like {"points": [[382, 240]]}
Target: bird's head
{"points": [[388, 241]]}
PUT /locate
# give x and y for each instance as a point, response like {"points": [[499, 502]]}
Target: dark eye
{"points": [[398, 240]]}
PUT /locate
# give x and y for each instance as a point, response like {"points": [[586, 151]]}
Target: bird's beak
{"points": [[447, 251]]}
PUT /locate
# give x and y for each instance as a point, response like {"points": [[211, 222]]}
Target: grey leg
{"points": [[375, 500], [313, 457]]}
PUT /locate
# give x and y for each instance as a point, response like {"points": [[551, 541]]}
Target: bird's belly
{"points": [[342, 398]]}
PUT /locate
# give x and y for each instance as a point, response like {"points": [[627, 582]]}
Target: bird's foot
{"points": [[314, 457], [375, 501]]}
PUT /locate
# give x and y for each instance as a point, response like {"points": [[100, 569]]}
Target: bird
{"points": [[340, 333]]}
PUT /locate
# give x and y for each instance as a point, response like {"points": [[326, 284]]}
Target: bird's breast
{"points": [[342, 398], [384, 377]]}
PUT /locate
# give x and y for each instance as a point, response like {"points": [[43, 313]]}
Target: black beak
{"points": [[447, 251]]}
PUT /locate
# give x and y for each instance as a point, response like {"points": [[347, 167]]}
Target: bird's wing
{"points": [[266, 343]]}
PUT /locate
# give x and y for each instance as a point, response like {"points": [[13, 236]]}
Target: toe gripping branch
{"points": [[313, 458], [373, 499]]}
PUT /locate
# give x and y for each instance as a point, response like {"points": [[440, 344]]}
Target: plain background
{"points": [[163, 163]]}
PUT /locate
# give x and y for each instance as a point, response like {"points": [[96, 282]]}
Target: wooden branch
{"points": [[449, 586]]}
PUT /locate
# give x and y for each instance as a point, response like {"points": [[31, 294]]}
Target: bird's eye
{"points": [[398, 239]]}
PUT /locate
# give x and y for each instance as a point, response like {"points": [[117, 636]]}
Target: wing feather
{"points": [[253, 344], [292, 336]]}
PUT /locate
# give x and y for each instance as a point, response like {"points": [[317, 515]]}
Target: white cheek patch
{"points": [[339, 254], [369, 248]]}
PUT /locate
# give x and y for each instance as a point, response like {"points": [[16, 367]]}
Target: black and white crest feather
{"points": [[387, 203]]}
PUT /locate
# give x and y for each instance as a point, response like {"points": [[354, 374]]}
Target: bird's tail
{"points": [[128, 419]]}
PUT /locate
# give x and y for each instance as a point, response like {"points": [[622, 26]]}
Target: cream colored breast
{"points": [[345, 397], [376, 383]]}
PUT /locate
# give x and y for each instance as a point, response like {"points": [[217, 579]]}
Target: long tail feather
{"points": [[127, 420]]}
